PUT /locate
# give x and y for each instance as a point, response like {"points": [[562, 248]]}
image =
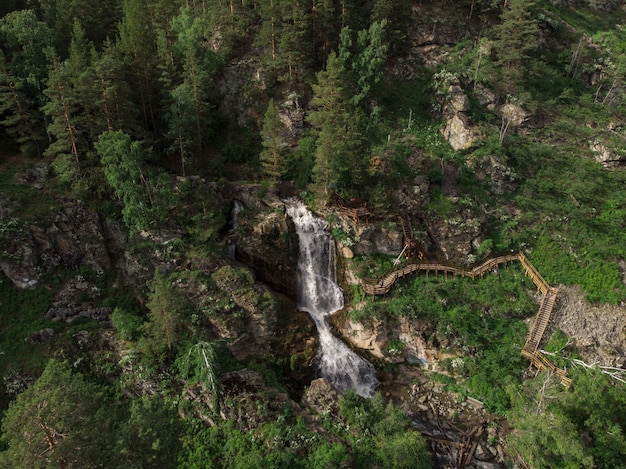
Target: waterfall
{"points": [[320, 296], [232, 226]]}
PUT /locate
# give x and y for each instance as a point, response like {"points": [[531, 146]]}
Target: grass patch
{"points": [[23, 312]]}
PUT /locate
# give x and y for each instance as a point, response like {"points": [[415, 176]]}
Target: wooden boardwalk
{"points": [[384, 285], [542, 319], [356, 209]]}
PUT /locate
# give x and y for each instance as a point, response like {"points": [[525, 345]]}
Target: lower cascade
{"points": [[320, 296]]}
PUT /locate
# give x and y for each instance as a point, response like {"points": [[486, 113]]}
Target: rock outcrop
{"points": [[460, 131], [609, 158], [72, 237]]}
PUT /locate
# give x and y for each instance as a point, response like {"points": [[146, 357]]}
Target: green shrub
{"points": [[126, 323]]}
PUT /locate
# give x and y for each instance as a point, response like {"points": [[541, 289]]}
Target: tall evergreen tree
{"points": [[272, 156], [189, 119], [516, 37], [397, 14], [65, 119], [122, 160], [295, 51], [19, 113], [324, 28], [28, 44], [341, 156], [113, 96], [269, 35], [137, 43]]}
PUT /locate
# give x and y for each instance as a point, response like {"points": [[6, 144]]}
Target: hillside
{"points": [[151, 269]]}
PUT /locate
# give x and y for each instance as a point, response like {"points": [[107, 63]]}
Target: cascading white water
{"points": [[237, 208], [320, 296]]}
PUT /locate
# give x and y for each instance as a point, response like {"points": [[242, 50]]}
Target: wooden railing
{"points": [[383, 286], [412, 247], [538, 280], [355, 209], [541, 321], [544, 314]]}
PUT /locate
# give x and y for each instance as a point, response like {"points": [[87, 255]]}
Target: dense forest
{"points": [[144, 326]]}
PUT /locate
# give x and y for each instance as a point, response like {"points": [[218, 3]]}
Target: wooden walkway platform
{"points": [[356, 209], [542, 319]]}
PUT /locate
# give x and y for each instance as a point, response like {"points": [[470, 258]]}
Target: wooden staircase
{"points": [[544, 314], [541, 321]]}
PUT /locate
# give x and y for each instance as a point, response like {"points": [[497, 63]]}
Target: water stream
{"points": [[320, 296]]}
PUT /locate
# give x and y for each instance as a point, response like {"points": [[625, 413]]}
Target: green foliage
{"points": [[479, 318], [383, 433], [57, 421], [517, 34], [23, 312], [150, 436], [167, 307], [122, 160], [583, 427], [272, 157], [301, 162], [126, 323]]}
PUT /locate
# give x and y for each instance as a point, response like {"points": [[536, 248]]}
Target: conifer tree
{"points": [[28, 44], [137, 43], [516, 35], [324, 25], [269, 35], [188, 115], [113, 98], [272, 155], [122, 161], [65, 120], [21, 118], [341, 155], [295, 51]]}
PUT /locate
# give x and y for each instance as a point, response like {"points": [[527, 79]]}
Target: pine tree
{"points": [[137, 43], [269, 35], [113, 100], [516, 35], [340, 156], [122, 161], [324, 28], [22, 120], [295, 51], [28, 45], [272, 156], [190, 74], [65, 120]]}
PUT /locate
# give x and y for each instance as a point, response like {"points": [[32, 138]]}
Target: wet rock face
{"points": [[265, 239], [72, 237]]}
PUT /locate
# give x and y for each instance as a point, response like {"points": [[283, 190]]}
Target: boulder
{"points": [[321, 398], [460, 131], [514, 114], [378, 239], [77, 298], [458, 99]]}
